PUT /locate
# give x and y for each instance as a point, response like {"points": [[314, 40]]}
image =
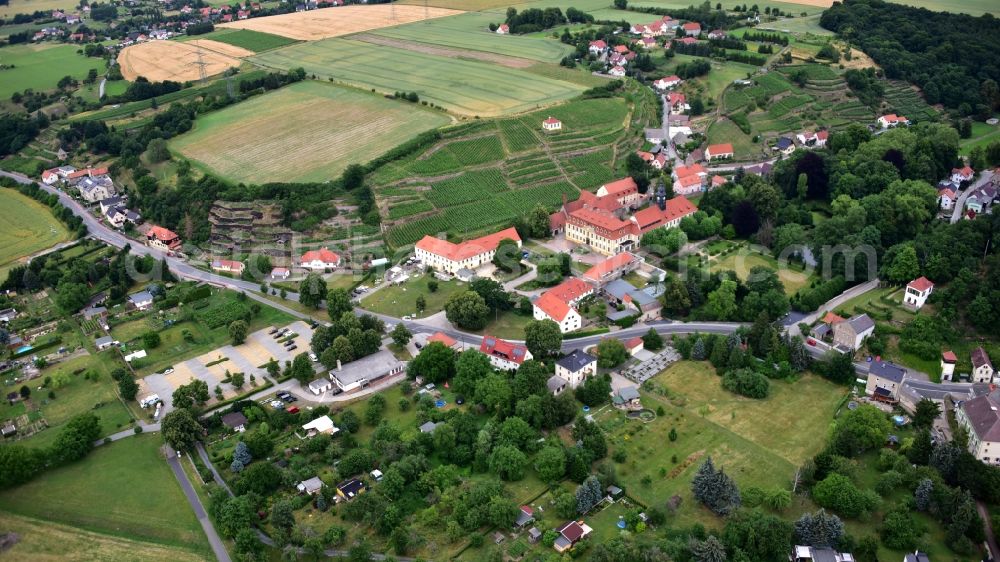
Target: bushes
{"points": [[808, 300], [838, 492], [746, 382], [741, 121]]}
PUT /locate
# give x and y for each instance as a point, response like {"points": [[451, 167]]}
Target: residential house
{"points": [[646, 42], [884, 379], [552, 124], [103, 343], [852, 332], [946, 198], [445, 340], [359, 373], [892, 120], [717, 181], [667, 82], [621, 293], [162, 238], [116, 216], [597, 47], [719, 151], [143, 300], [948, 361], [559, 304], [621, 49], [692, 29], [612, 268], [8, 314], [627, 398], [235, 421], [655, 135], [762, 170], [321, 385], [534, 535], [319, 260], [785, 145], [570, 533], [618, 71], [980, 200], [686, 41], [428, 427], [819, 554], [916, 556], [350, 489], [503, 29], [716, 34], [965, 173], [503, 354], [322, 425], [280, 273], [635, 345], [689, 179], [110, 203], [228, 266], [525, 515], [91, 313], [980, 416], [810, 139], [95, 188], [576, 367], [556, 385], [447, 257], [982, 367], [55, 175], [917, 292], [312, 486], [677, 102]]}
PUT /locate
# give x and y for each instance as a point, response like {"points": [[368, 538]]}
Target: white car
{"points": [[277, 404], [168, 370], [407, 318], [313, 358]]}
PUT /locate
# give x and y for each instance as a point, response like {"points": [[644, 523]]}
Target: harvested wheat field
{"points": [[222, 48], [173, 60], [306, 132], [334, 22]]}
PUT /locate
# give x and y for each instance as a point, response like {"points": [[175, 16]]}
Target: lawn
{"points": [[982, 135], [26, 227], [78, 396], [45, 540], [124, 489], [400, 300], [801, 25], [39, 67], [872, 302], [463, 86], [255, 41], [743, 260], [758, 442], [471, 31], [726, 131], [29, 6], [306, 132]]}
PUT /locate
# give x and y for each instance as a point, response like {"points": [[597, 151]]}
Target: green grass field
{"points": [[29, 6], [971, 7], [124, 489], [463, 86], [40, 67], [255, 41], [470, 31], [305, 132], [791, 7], [802, 25], [751, 439], [743, 260], [724, 131], [982, 135], [26, 227], [399, 300]]}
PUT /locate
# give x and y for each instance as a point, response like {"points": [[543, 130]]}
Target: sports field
{"points": [[309, 131], [253, 41], [467, 87], [174, 60], [334, 22], [40, 67], [26, 227], [125, 489], [471, 31]]}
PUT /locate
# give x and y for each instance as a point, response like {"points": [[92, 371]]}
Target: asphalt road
{"points": [[214, 540], [956, 212]]}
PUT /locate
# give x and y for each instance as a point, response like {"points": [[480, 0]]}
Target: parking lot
{"points": [[248, 358]]}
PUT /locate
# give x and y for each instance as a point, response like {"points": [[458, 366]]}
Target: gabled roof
{"points": [[442, 337], [949, 356], [572, 531], [886, 370], [467, 249], [553, 307], [652, 217], [234, 419], [628, 393], [323, 255], [555, 382], [351, 488], [861, 323], [980, 358], [691, 25], [576, 361], [693, 169], [624, 185], [602, 219], [832, 318], [551, 121], [570, 289], [161, 234], [983, 413], [504, 349], [633, 343], [725, 148], [920, 284], [600, 44], [610, 265], [675, 98]]}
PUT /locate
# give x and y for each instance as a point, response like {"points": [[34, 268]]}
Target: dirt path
{"points": [[509, 62]]}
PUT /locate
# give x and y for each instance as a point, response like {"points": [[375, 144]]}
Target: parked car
{"points": [[418, 345], [273, 330], [292, 348], [293, 410], [313, 358], [278, 404], [407, 317], [168, 370]]}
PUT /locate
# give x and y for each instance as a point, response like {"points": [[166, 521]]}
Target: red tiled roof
{"points": [[965, 171], [693, 169], [725, 148], [689, 180], [949, 357], [323, 255], [652, 217], [600, 44], [227, 264], [527, 509], [646, 157], [676, 97], [572, 531], [822, 135], [625, 185], [557, 220], [570, 290], [718, 180], [495, 346], [832, 318], [691, 25], [161, 234], [504, 27], [442, 337], [920, 284], [622, 49], [279, 271], [633, 343], [551, 121], [553, 307], [609, 265], [467, 249], [946, 191], [688, 40], [614, 226]]}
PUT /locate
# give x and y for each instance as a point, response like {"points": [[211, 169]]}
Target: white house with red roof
{"points": [[448, 257], [618, 71], [810, 139], [692, 29], [228, 266], [719, 151], [892, 120], [598, 47], [503, 354], [55, 175], [982, 367], [965, 173], [686, 185], [625, 191], [559, 304], [686, 41], [552, 124], [319, 260], [717, 181], [677, 102], [667, 82], [162, 238], [503, 29], [946, 198], [917, 292], [948, 361]]}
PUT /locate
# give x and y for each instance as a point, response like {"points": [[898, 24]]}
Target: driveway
{"points": [[214, 540], [956, 212]]}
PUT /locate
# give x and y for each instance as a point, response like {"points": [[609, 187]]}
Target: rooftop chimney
{"points": [[339, 366]]}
